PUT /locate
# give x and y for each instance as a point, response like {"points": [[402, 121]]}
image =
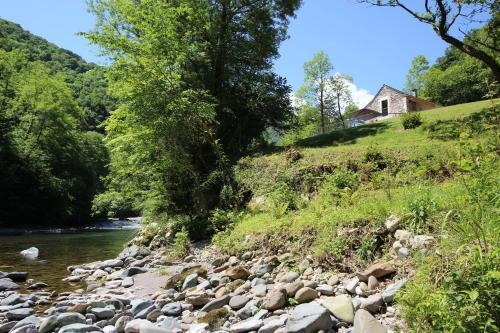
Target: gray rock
{"points": [[144, 313], [137, 325], [263, 269], [392, 223], [69, 318], [6, 327], [18, 314], [102, 313], [169, 323], [190, 281], [30, 328], [139, 304], [109, 329], [172, 309], [273, 325], [38, 285], [259, 290], [239, 301], [31, 320], [373, 303], [248, 310], [31, 253], [6, 284], [351, 285], [121, 323], [109, 263], [364, 322], [341, 307], [390, 292], [325, 289], [48, 324], [308, 318], [133, 251], [79, 328], [293, 287], [216, 303], [289, 277], [12, 299], [372, 283], [131, 271], [246, 326]]}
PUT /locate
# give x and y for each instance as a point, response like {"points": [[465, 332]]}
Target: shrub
{"points": [[421, 210], [411, 120], [181, 245]]}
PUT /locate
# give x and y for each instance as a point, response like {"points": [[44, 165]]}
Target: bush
{"points": [[411, 120], [181, 246], [421, 210]]}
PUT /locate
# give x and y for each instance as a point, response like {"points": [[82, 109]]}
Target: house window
{"points": [[385, 107]]}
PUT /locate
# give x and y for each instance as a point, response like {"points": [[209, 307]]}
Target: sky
{"points": [[373, 45]]}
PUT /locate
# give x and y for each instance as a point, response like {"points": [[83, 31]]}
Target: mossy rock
{"points": [[232, 286], [175, 281], [215, 318]]}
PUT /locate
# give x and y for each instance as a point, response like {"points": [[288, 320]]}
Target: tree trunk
{"points": [[340, 111], [322, 109], [473, 52]]}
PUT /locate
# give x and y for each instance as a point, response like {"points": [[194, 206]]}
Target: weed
{"points": [[411, 120]]}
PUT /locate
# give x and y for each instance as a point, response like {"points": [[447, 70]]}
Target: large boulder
{"points": [[17, 276], [309, 318], [364, 322]]}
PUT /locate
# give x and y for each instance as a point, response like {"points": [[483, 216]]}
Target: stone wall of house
{"points": [[396, 101]]}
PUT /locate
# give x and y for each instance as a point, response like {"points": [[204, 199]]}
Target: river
{"points": [[59, 250]]}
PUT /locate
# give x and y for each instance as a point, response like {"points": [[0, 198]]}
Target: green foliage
{"points": [[420, 211], [411, 120], [187, 111], [51, 168], [366, 249], [414, 78], [180, 247]]}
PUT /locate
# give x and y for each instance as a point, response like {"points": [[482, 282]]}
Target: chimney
{"points": [[415, 92]]}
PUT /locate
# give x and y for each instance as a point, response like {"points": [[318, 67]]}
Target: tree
{"points": [[414, 78], [445, 15], [195, 87], [317, 71], [339, 96]]}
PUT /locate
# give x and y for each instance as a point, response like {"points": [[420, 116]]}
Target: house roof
{"points": [[365, 114]]}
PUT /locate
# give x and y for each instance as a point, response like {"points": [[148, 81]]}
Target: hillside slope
{"points": [[333, 199]]}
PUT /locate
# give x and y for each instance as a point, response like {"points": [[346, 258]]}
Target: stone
{"points": [[275, 299], [31, 320], [221, 292], [140, 304], [109, 329], [80, 308], [272, 325], [373, 303], [216, 303], [306, 294], [128, 282], [79, 328], [422, 241], [292, 288], [131, 271], [38, 285], [248, 310], [325, 289], [333, 280], [390, 292], [403, 252], [102, 313], [351, 285], [246, 326], [170, 324], [6, 284], [236, 273], [372, 283], [403, 236], [31, 253], [289, 277], [340, 307], [364, 322], [109, 263], [137, 325], [48, 324], [68, 318], [197, 298], [378, 270], [263, 269], [237, 302], [153, 315], [190, 281], [308, 318], [144, 313], [18, 314], [6, 327], [392, 223], [29, 328], [259, 290], [17, 276], [133, 251], [172, 309], [155, 329], [12, 299], [121, 323]]}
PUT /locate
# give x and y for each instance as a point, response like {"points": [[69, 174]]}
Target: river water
{"points": [[57, 251]]}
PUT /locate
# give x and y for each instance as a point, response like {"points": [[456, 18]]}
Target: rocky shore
{"points": [[140, 291]]}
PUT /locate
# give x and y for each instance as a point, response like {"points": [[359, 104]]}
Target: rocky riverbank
{"points": [[140, 291]]}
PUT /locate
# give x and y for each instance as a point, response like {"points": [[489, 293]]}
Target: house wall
{"points": [[397, 101]]}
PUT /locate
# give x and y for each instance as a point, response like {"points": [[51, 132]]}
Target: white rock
{"points": [[31, 253]]}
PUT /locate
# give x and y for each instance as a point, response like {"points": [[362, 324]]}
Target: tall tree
{"points": [[317, 71], [339, 96], [195, 86], [446, 16], [415, 76]]}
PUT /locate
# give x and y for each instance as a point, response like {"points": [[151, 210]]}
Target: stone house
{"points": [[387, 103]]}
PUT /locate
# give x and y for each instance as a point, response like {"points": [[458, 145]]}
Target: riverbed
{"points": [[59, 250]]}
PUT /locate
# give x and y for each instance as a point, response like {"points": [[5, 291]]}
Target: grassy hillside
{"points": [[330, 196]]}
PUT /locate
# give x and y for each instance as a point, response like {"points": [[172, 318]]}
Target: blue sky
{"points": [[373, 45]]}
